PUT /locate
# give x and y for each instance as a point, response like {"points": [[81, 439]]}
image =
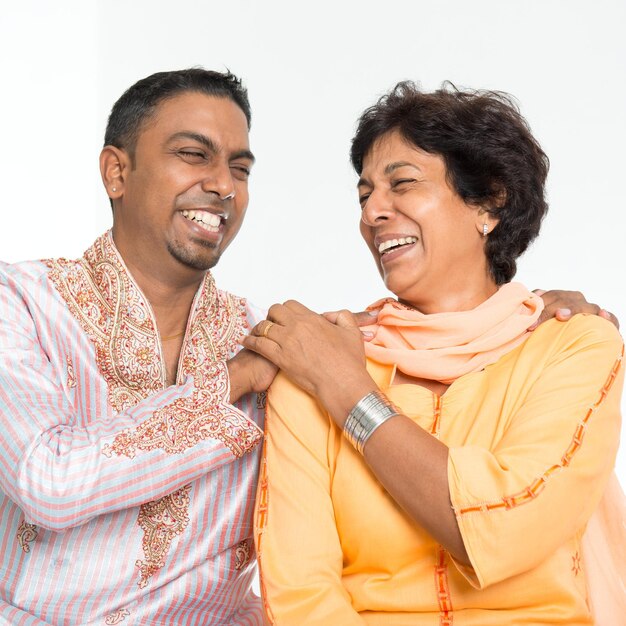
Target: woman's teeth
{"points": [[394, 243], [204, 219]]}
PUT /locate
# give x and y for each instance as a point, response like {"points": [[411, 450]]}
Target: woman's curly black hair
{"points": [[492, 160]]}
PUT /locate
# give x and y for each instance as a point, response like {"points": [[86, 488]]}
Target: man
{"points": [[130, 433], [127, 476]]}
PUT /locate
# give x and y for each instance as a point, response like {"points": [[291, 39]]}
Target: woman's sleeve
{"points": [[516, 503], [300, 556]]}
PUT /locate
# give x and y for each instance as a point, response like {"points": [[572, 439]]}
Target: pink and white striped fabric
{"points": [[122, 500]]}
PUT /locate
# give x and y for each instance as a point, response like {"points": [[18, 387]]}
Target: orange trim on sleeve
{"points": [[436, 426], [261, 523], [443, 589], [537, 486]]}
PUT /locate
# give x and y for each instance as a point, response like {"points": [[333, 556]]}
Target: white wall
{"points": [[311, 68]]}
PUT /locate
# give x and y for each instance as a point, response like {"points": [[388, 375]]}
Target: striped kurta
{"points": [[122, 500]]}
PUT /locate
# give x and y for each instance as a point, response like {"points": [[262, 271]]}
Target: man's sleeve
{"points": [[300, 556], [517, 503], [63, 468]]}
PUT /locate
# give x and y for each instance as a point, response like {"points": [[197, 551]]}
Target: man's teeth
{"points": [[393, 243], [206, 220]]}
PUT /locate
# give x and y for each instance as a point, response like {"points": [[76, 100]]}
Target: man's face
{"points": [[185, 192]]}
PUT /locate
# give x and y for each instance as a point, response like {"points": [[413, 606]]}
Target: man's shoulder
{"points": [[23, 273], [253, 313]]}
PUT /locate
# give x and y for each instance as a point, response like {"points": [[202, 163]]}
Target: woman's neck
{"points": [[452, 299]]}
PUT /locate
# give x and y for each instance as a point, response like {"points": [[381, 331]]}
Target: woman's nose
{"points": [[378, 207]]}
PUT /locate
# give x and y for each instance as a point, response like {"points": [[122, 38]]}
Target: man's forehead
{"points": [[192, 110]]}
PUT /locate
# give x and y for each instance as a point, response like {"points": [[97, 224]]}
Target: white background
{"points": [[311, 68]]}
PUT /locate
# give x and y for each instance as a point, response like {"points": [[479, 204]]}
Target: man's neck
{"points": [[170, 298]]}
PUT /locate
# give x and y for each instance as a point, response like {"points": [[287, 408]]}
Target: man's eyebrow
{"points": [[210, 145], [243, 154], [207, 142]]}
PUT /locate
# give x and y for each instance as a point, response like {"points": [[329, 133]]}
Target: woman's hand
{"points": [[325, 358]]}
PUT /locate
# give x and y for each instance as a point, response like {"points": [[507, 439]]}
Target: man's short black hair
{"points": [[139, 102]]}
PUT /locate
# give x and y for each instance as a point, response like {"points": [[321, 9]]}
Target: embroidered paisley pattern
{"points": [[184, 423], [101, 294], [261, 400], [116, 618], [26, 534], [243, 552], [71, 377], [161, 521]]}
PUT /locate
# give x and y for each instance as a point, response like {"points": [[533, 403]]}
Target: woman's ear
{"points": [[485, 222]]}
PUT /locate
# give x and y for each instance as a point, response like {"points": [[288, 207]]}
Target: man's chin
{"points": [[203, 259]]}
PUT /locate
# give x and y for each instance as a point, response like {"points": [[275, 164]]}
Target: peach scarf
{"points": [[444, 347]]}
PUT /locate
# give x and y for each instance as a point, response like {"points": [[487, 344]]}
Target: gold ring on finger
{"points": [[266, 328]]}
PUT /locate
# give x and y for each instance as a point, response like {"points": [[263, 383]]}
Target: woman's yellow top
{"points": [[532, 441]]}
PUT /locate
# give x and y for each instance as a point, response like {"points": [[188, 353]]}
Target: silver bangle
{"points": [[366, 416]]}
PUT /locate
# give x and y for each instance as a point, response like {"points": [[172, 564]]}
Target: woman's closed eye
{"points": [[402, 183]]}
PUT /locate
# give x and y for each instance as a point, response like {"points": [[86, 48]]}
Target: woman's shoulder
{"points": [[586, 329], [583, 334], [291, 405]]}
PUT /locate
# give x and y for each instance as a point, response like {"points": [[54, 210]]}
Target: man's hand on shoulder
{"points": [[249, 372], [562, 305]]}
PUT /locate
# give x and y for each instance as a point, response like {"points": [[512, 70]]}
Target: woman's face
{"points": [[427, 242]]}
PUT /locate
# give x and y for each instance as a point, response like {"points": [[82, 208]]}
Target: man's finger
{"points": [[296, 306], [563, 314], [607, 315]]}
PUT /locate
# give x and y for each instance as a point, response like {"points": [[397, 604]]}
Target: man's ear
{"points": [[114, 164]]}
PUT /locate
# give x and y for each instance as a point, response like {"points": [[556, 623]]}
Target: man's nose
{"points": [[219, 180]]}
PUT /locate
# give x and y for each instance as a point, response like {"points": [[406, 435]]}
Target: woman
{"points": [[448, 478]]}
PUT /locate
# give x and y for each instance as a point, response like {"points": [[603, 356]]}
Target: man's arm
{"points": [[63, 467]]}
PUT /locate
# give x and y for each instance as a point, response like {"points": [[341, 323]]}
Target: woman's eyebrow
{"points": [[392, 167]]}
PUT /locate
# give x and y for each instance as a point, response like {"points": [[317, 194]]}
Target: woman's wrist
{"points": [[339, 398], [370, 412]]}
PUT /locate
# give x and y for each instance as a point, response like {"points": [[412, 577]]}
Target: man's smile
{"points": [[205, 219]]}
